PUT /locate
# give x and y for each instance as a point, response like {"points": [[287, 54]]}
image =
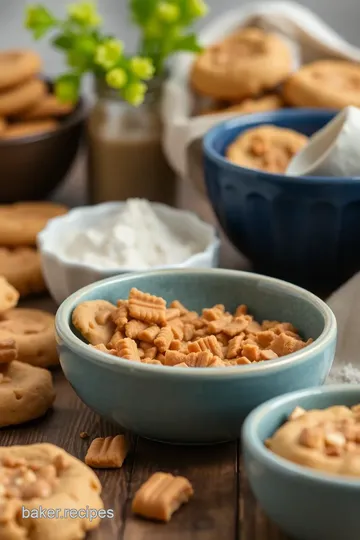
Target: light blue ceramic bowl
{"points": [[306, 504], [196, 405]]}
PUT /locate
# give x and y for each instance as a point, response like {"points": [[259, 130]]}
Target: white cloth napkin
{"points": [[345, 303], [309, 37]]}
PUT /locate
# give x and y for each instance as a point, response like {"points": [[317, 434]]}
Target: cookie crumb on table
{"points": [[84, 435], [161, 495]]}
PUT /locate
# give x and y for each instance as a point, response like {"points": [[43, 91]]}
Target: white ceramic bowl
{"points": [[64, 276]]}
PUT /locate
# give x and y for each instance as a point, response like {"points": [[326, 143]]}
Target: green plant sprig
{"points": [[88, 50], [164, 27]]}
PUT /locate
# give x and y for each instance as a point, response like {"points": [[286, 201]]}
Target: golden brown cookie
{"points": [[18, 65], [331, 84], [34, 333], [44, 477], [93, 320], [8, 352], [9, 296], [326, 440], [3, 126], [27, 129], [21, 222], [21, 267], [242, 65], [272, 102], [21, 97], [46, 108], [26, 393], [268, 148]]}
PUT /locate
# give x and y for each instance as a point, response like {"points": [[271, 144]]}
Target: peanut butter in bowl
{"points": [[327, 440]]}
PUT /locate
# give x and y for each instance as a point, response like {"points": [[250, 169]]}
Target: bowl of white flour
{"points": [[94, 242]]}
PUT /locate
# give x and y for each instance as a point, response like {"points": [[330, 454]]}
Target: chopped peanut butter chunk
{"points": [[127, 348], [209, 343], [143, 328], [146, 307], [164, 338], [108, 453], [297, 413], [134, 328], [161, 495]]}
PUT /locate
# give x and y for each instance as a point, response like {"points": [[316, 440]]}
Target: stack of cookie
{"points": [[19, 259], [26, 106], [27, 346], [251, 71]]}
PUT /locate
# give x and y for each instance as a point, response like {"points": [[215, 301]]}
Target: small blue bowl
{"points": [[302, 229], [307, 504], [196, 405]]}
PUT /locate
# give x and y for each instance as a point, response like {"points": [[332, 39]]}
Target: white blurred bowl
{"points": [[64, 276]]}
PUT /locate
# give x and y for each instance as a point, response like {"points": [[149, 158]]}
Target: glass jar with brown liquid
{"points": [[125, 157]]}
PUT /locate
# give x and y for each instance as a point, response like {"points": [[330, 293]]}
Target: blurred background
{"points": [[342, 16]]}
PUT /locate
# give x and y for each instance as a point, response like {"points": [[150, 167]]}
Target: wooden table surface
{"points": [[223, 507]]}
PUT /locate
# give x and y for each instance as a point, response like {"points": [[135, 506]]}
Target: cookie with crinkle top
{"points": [[242, 65], [43, 478]]}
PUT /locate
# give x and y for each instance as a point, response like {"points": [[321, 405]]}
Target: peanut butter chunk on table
{"points": [[107, 453], [161, 495]]}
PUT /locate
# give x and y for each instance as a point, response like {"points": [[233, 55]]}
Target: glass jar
{"points": [[125, 157]]}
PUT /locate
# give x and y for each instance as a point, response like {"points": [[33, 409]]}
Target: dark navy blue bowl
{"points": [[302, 229]]}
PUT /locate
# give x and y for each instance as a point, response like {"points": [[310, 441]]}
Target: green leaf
{"points": [[187, 43], [63, 41], [142, 10], [67, 87], [84, 13], [39, 20]]}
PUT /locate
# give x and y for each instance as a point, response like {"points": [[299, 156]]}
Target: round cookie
{"points": [[326, 440], [27, 129], [17, 65], [93, 320], [242, 65], [272, 102], [44, 475], [9, 296], [26, 393], [22, 269], [20, 223], [268, 148], [46, 108], [14, 100], [3, 126], [34, 333], [8, 352], [333, 84]]}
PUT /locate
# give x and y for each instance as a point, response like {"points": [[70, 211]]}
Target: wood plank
{"points": [[211, 514], [254, 523]]}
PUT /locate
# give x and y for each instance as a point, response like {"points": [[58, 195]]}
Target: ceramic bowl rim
{"points": [[56, 224], [280, 465], [100, 358], [255, 119]]}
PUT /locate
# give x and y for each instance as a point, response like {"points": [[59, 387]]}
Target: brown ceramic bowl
{"points": [[32, 167]]}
